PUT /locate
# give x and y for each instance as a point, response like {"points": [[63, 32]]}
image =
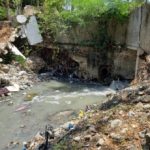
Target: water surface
{"points": [[52, 97]]}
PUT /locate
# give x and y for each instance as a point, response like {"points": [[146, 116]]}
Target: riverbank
{"points": [[13, 78], [120, 123]]}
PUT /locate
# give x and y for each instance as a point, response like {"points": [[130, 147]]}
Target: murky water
{"points": [[52, 97]]}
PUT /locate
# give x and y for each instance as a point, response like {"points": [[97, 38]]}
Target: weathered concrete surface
{"points": [[85, 70], [134, 33], [145, 29], [133, 29], [98, 65], [80, 34], [124, 63], [117, 31]]}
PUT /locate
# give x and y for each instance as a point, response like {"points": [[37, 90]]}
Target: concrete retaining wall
{"points": [[134, 33]]}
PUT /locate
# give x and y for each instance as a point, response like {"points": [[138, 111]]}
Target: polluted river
{"points": [[53, 102]]}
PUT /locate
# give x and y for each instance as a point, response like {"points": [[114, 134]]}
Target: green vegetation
{"points": [[50, 17], [3, 13], [56, 15], [61, 14], [8, 58]]}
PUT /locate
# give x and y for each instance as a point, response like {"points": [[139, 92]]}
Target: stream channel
{"points": [[53, 98]]}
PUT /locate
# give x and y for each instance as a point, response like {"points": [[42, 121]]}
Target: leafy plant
{"points": [[50, 19], [91, 9], [8, 58], [19, 59], [3, 13]]}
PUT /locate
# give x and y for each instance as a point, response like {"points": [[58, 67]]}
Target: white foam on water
{"points": [[58, 96], [57, 91], [68, 102], [86, 90]]}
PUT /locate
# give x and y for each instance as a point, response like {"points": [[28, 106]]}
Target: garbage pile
{"points": [[13, 78], [123, 122], [16, 74]]}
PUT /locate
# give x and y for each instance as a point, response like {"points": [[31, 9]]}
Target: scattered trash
{"points": [[71, 126], [30, 96], [22, 107], [13, 88], [15, 51], [24, 146], [81, 114]]}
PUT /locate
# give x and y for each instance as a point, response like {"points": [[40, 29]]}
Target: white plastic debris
{"points": [[13, 88], [21, 19], [15, 51]]}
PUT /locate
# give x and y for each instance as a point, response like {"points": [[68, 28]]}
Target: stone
{"points": [[22, 73], [141, 93], [30, 10], [148, 140], [92, 129], [5, 69], [87, 137], [139, 105], [95, 138], [124, 130], [115, 123], [1, 60], [35, 63], [22, 126], [3, 45], [10, 103], [8, 94], [148, 59], [131, 113], [148, 116], [147, 106], [77, 139], [147, 91], [146, 99], [121, 112], [39, 137], [124, 96], [100, 142], [132, 147], [116, 137], [58, 132], [142, 134]]}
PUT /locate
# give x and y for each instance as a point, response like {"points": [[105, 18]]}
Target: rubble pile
{"points": [[144, 65], [121, 123], [13, 78], [7, 35]]}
